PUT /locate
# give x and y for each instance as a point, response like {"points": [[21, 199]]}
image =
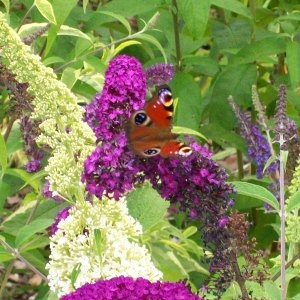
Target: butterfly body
{"points": [[149, 130]]}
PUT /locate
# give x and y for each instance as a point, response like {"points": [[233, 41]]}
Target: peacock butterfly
{"points": [[149, 130]]}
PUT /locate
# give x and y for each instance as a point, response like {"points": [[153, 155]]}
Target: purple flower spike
{"points": [[259, 150], [132, 289], [123, 92], [195, 183], [284, 125], [159, 74], [111, 169]]}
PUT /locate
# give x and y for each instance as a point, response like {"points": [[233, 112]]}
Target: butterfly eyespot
{"points": [[152, 152], [141, 118], [185, 151], [165, 96]]}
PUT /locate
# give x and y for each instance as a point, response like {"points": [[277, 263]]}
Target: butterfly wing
{"points": [[149, 130], [160, 108]]}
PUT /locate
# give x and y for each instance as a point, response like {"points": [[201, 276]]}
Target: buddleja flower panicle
{"points": [[73, 242], [124, 91], [133, 289], [111, 169], [259, 150], [284, 125], [55, 107]]}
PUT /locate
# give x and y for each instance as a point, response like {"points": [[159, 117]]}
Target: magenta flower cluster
{"points": [[193, 184], [132, 289], [111, 168]]}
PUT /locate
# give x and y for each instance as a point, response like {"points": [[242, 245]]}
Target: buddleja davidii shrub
{"points": [[70, 139]]}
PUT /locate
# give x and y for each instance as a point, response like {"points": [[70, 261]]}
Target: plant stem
{"points": [[282, 220], [240, 164], [17, 255], [9, 128], [238, 276], [25, 16], [6, 276], [289, 264], [176, 34], [33, 211]]}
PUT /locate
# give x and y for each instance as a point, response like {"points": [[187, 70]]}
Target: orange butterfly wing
{"points": [[149, 130]]}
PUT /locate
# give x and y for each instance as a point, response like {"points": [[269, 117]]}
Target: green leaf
{"points": [[273, 159], [149, 38], [38, 241], [120, 18], [29, 230], [26, 177], [236, 81], [223, 136], [69, 77], [53, 60], [146, 206], [260, 51], [130, 8], [5, 256], [234, 35], [173, 244], [234, 6], [6, 4], [46, 209], [124, 45], [14, 141], [46, 10], [294, 201], [224, 153], [61, 13], [3, 155], [74, 274], [184, 130], [98, 243], [293, 63], [191, 230], [189, 106], [4, 192], [272, 290], [195, 14], [204, 65], [293, 16], [36, 258], [257, 192], [70, 31], [84, 5]]}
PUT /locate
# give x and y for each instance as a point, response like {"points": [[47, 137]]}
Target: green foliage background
{"points": [[219, 48]]}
